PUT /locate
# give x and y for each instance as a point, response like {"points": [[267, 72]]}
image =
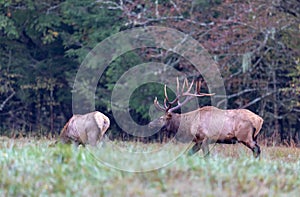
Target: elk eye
{"points": [[169, 116]]}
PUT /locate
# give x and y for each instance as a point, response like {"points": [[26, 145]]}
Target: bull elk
{"points": [[85, 129], [208, 124]]}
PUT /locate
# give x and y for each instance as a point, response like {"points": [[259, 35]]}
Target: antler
{"points": [[159, 107], [188, 96]]}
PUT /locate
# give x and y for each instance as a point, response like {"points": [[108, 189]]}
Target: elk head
{"points": [[170, 120]]}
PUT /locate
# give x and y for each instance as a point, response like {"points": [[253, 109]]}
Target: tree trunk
{"points": [[275, 136]]}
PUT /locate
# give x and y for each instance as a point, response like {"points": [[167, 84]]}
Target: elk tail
{"points": [[102, 122], [258, 128], [99, 120]]}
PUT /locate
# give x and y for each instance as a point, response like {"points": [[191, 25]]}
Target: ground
{"points": [[31, 167]]}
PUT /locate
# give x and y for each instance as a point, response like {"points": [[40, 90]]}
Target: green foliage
{"points": [[42, 45], [7, 25], [86, 25]]}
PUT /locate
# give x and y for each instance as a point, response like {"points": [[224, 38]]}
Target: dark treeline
{"points": [[255, 43]]}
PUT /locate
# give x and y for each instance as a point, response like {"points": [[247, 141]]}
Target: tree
{"points": [[42, 45], [256, 44]]}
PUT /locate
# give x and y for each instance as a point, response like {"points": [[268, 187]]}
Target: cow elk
{"points": [[85, 129], [208, 124]]}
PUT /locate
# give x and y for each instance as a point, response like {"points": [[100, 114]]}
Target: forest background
{"points": [[42, 44]]}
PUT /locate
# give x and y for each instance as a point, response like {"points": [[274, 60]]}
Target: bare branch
{"points": [[156, 9], [6, 100], [112, 5], [176, 7], [258, 99], [296, 110], [52, 8], [235, 95], [151, 20], [180, 43]]}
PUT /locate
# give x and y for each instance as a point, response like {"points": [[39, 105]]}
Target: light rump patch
{"points": [[85, 129]]}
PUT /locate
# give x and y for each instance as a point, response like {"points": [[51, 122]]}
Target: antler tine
{"points": [[157, 105], [189, 88], [189, 96], [177, 86], [165, 104], [185, 83], [197, 91], [166, 94], [198, 86], [166, 100], [180, 93]]}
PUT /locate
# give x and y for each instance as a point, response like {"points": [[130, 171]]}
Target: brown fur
{"points": [[63, 133], [255, 119], [85, 129], [210, 124]]}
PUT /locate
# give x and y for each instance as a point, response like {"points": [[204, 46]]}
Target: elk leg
{"points": [[205, 147], [75, 143], [254, 147], [256, 151], [195, 149], [93, 136]]}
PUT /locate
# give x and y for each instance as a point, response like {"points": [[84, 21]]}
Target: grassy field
{"points": [[30, 167]]}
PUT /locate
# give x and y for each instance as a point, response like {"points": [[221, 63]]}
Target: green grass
{"points": [[31, 167]]}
